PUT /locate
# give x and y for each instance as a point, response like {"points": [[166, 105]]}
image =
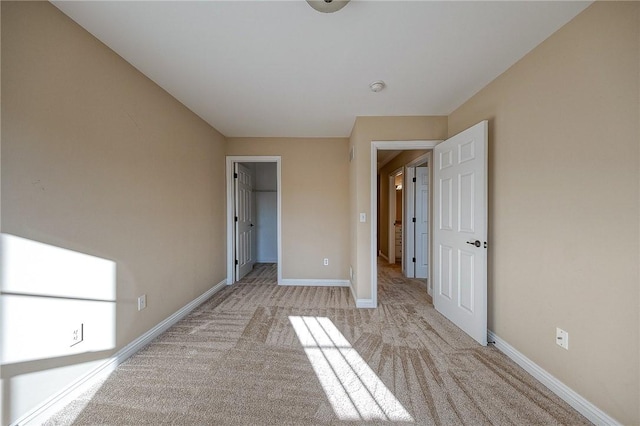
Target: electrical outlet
{"points": [[325, 262], [77, 335], [142, 302], [562, 338]]}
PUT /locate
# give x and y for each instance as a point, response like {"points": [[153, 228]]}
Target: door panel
{"points": [[446, 273], [460, 263], [445, 218], [466, 280], [466, 212]]}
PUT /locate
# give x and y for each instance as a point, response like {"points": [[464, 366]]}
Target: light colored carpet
{"points": [[238, 359]]}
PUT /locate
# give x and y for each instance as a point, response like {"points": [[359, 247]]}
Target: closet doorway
{"points": [[253, 214]]}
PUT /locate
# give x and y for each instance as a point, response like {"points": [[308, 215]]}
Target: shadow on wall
{"points": [[57, 312]]}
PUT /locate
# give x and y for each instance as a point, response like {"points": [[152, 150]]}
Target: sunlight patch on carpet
{"points": [[354, 391]]}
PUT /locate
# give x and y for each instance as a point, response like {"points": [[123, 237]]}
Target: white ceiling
{"points": [[280, 68]]}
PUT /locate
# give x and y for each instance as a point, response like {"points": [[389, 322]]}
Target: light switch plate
{"points": [[562, 338], [142, 302]]}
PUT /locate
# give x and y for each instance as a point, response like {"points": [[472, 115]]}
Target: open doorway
{"points": [[416, 216], [385, 227], [459, 200], [408, 204], [396, 211], [253, 215]]}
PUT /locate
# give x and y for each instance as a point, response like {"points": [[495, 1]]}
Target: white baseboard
{"points": [[274, 260], [365, 303], [315, 283], [584, 407], [57, 402], [381, 254], [353, 292], [360, 303]]}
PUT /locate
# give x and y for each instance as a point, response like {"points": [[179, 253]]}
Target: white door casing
{"points": [[230, 161], [421, 188], [245, 258], [372, 302], [460, 230]]}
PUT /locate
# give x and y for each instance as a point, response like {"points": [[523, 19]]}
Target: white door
{"points": [[460, 230], [245, 258], [422, 222], [408, 224]]}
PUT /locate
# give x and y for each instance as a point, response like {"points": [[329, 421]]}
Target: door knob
{"points": [[475, 243]]}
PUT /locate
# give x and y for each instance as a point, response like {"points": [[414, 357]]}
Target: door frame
{"points": [[230, 161], [391, 243], [386, 145]]}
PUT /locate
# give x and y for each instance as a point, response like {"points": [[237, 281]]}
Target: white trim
{"points": [[57, 402], [366, 304], [230, 160], [430, 221], [381, 254], [353, 292], [361, 303], [571, 397], [315, 283], [375, 146]]}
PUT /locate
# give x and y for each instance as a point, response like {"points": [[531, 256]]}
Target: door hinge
{"points": [[414, 180], [414, 220], [485, 244], [414, 260], [236, 218], [235, 176], [236, 261]]}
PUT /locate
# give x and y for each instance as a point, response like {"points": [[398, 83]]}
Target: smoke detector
{"points": [[327, 6], [377, 86]]}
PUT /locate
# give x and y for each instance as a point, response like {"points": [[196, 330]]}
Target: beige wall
{"points": [[315, 202], [563, 190], [383, 198], [366, 130], [98, 159]]}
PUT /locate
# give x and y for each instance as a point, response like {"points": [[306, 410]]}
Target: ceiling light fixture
{"points": [[327, 6], [377, 86]]}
